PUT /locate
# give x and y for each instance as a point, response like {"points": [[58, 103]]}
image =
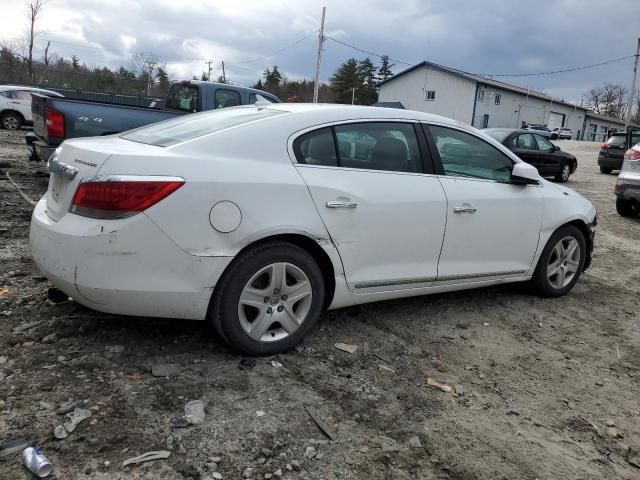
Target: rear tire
{"points": [[561, 262], [606, 170], [251, 308], [565, 173], [11, 121], [626, 208]]}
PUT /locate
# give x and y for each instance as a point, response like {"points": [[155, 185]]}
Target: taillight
{"points": [[632, 154], [54, 121], [120, 198], [618, 189], [604, 146]]}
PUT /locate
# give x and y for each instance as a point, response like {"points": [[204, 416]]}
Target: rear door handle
{"points": [[340, 204], [464, 210]]}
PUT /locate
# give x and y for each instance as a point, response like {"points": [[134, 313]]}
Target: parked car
{"points": [[259, 218], [627, 187], [563, 133], [15, 105], [612, 152], [57, 119], [536, 150], [541, 130]]}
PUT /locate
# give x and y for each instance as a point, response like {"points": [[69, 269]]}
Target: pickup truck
{"points": [[56, 119]]}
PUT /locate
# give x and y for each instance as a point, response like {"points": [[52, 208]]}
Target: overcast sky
{"points": [[492, 36]]}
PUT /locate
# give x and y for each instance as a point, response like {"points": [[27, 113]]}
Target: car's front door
{"points": [[550, 163], [383, 213], [493, 226]]}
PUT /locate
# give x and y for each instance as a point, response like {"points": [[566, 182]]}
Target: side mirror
{"points": [[524, 174], [556, 148]]}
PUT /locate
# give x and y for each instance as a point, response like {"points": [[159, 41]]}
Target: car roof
{"points": [[4, 88]]}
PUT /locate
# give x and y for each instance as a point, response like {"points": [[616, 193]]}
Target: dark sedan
{"points": [[537, 151]]}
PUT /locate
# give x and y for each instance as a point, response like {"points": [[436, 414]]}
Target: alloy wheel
{"points": [[275, 302], [10, 122], [563, 262]]}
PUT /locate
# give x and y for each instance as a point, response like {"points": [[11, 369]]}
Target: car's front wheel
{"points": [[626, 208], [11, 121], [565, 173], [269, 299], [561, 262]]}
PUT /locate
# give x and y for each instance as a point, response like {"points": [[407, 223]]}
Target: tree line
{"points": [[612, 100]]}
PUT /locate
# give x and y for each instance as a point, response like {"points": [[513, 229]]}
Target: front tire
{"points": [[626, 208], [269, 299], [11, 121], [606, 170], [565, 173], [561, 262]]}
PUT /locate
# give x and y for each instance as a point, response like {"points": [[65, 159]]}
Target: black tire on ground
{"points": [[626, 208], [540, 282], [606, 170], [565, 173], [223, 311], [11, 121]]}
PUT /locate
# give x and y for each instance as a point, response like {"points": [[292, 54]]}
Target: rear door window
{"points": [[226, 98], [316, 148], [183, 97]]}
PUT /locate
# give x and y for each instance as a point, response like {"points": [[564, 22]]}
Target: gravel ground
{"points": [[549, 387]]}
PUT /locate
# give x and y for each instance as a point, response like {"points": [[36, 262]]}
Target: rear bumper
{"points": [[608, 162], [39, 149], [127, 267]]}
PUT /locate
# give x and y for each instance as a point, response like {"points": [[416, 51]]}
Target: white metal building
{"points": [[478, 101]]}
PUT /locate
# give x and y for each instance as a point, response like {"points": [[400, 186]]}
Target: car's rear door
{"points": [[21, 102], [549, 162], [524, 146], [493, 226], [385, 215]]}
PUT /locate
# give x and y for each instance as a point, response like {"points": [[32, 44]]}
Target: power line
{"points": [[279, 51], [574, 69]]}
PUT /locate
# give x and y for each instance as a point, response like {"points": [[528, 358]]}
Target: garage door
{"points": [[555, 120]]}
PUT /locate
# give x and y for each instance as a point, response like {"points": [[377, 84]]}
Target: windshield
{"points": [[498, 135], [183, 97], [183, 128]]}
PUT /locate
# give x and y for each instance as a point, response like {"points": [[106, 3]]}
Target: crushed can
{"points": [[36, 462]]}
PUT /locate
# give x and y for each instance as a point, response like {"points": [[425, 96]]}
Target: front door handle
{"points": [[340, 204], [464, 210]]}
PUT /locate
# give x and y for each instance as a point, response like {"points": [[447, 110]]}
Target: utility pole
{"points": [[209, 75], [627, 119], [224, 75], [316, 84]]}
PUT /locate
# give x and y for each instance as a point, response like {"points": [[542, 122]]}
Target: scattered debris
{"points": [[414, 442], [345, 347], [51, 338], [75, 418], [442, 387], [633, 457], [610, 423], [295, 464], [165, 370], [309, 453], [275, 364], [70, 407], [12, 447], [247, 364], [324, 426], [147, 457], [36, 462], [260, 413], [179, 422], [384, 370], [513, 411], [194, 412]]}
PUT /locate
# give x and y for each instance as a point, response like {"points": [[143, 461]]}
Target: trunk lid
{"points": [[76, 160]]}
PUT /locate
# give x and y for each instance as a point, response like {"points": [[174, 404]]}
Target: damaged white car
{"points": [[259, 218]]}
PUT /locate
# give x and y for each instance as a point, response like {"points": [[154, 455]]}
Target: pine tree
{"points": [[344, 80], [384, 71], [75, 62], [366, 94], [259, 85]]}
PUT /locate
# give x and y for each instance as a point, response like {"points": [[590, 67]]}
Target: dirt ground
{"points": [[550, 387]]}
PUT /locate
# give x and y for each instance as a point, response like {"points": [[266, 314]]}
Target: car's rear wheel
{"points": [[269, 299], [565, 173], [606, 170], [11, 121], [626, 208], [561, 262]]}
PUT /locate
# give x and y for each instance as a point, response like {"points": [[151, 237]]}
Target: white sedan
{"points": [[258, 218]]}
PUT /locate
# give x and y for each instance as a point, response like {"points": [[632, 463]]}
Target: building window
{"points": [[431, 95], [496, 99], [481, 95]]}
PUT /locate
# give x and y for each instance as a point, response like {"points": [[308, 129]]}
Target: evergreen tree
{"points": [[272, 79], [344, 80], [75, 63], [259, 85], [366, 94], [384, 71], [203, 77]]}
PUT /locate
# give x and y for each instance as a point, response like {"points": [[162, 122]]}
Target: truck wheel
{"points": [[11, 121], [606, 170], [626, 208]]}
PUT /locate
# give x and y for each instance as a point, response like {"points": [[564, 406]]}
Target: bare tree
{"points": [[146, 66], [594, 98], [34, 10], [609, 99]]}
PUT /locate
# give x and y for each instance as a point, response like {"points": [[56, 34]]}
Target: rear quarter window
{"points": [[617, 140]]}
